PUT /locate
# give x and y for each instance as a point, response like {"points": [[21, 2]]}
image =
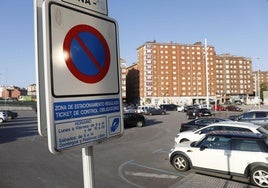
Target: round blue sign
{"points": [[87, 53]]}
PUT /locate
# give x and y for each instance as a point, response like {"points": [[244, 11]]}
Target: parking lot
{"points": [[137, 159]]}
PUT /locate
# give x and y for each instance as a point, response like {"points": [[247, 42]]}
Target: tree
{"points": [[263, 87]]}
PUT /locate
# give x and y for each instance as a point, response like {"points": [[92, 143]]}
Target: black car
{"points": [[199, 123], [11, 114], [156, 111], [134, 119], [195, 113], [169, 107]]}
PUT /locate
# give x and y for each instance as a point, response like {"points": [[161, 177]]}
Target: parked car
{"points": [[156, 111], [195, 113], [204, 106], [169, 107], [234, 108], [191, 107], [199, 123], [238, 102], [218, 108], [133, 109], [259, 117], [11, 114], [180, 108], [134, 119], [233, 117], [3, 116], [143, 109], [233, 153], [194, 135]]}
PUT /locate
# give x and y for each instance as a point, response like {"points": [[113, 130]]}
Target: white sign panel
{"points": [[99, 6], [82, 80]]}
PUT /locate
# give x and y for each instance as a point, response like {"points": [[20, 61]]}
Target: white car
{"points": [[180, 108], [229, 152], [194, 135], [3, 116]]}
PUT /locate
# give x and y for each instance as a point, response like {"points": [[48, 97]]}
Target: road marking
{"points": [[165, 174], [161, 151], [149, 175]]}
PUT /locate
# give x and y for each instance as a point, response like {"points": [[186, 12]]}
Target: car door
{"points": [[245, 152], [212, 153]]}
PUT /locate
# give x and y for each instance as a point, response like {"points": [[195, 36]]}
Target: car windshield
{"points": [[263, 131]]}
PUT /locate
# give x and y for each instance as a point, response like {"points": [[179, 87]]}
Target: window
{"points": [[217, 142], [248, 115], [226, 128], [246, 145], [209, 129], [260, 115]]}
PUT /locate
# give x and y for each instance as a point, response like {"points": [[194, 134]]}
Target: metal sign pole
{"points": [[88, 167]]}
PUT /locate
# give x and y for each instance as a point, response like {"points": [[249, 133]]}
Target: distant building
{"points": [[179, 73], [260, 77], [234, 76], [132, 84], [10, 92], [123, 79], [16, 93], [31, 90]]}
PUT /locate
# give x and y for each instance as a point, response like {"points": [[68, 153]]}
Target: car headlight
{"points": [[177, 136]]}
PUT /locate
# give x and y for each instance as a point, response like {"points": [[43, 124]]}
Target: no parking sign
{"points": [[81, 76], [89, 54]]}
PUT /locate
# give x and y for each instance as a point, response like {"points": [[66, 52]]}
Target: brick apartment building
{"points": [[259, 78], [11, 92], [233, 76], [15, 93], [179, 73]]}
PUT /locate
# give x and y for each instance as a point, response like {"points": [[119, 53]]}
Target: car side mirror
{"points": [[238, 118], [203, 148], [193, 144]]}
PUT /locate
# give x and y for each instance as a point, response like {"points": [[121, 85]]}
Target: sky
{"points": [[238, 27]]}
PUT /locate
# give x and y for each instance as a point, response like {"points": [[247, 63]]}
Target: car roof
{"points": [[236, 123], [214, 118], [239, 134], [258, 111]]}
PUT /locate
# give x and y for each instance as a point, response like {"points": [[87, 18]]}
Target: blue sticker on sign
{"points": [[115, 125]]}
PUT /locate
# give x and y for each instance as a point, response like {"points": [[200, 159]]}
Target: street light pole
{"points": [[259, 90], [206, 59]]}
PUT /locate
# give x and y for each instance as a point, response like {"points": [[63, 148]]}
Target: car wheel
{"points": [[180, 163], [184, 140], [259, 176], [1, 120], [139, 124], [150, 113]]}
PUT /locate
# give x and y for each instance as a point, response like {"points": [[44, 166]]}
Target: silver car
{"points": [[3, 116]]}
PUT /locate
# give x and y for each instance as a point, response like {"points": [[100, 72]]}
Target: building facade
{"points": [[123, 67], [11, 92], [233, 76], [186, 74]]}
